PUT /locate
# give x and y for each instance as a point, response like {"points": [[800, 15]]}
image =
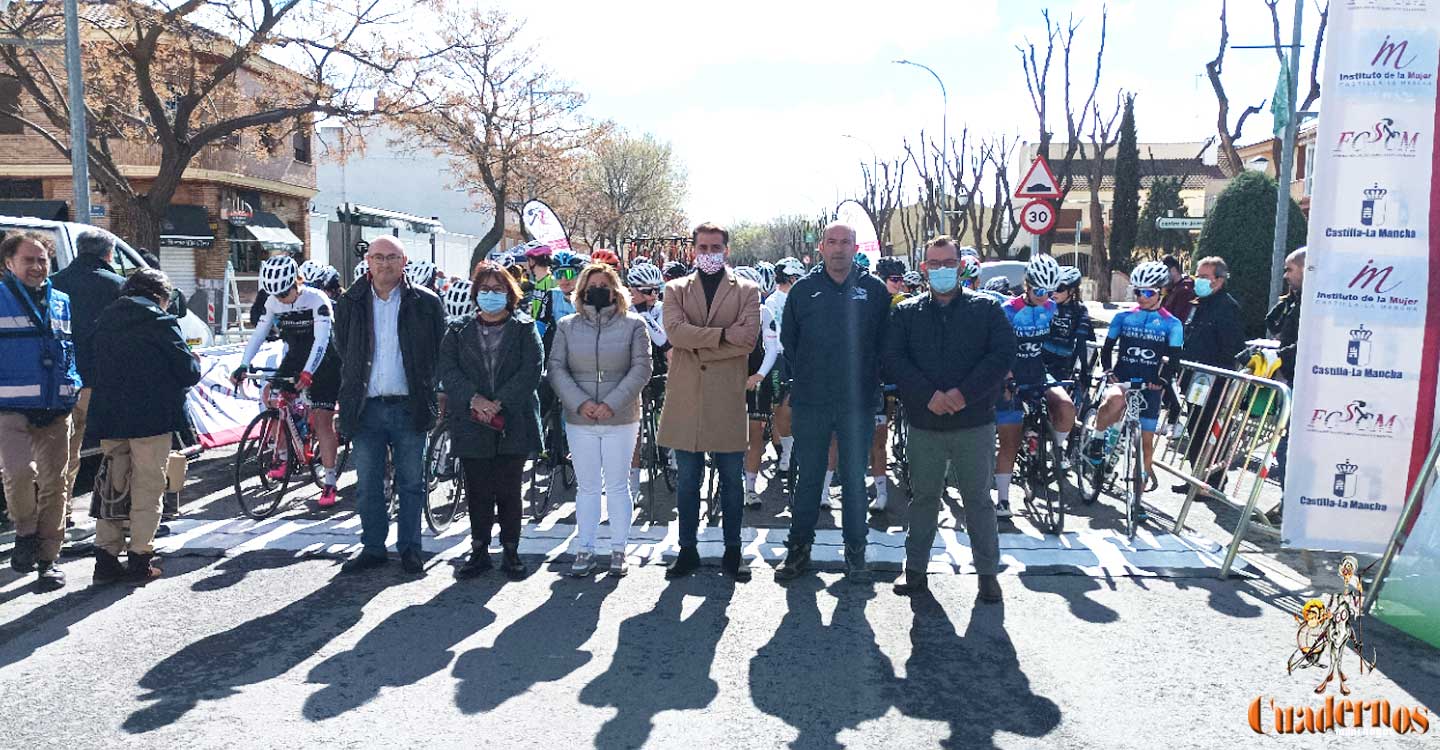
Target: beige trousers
{"points": [[78, 417], [34, 460], [143, 460]]}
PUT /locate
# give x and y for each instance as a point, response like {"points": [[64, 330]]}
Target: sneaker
{"points": [[1002, 509], [826, 502], [328, 497], [278, 473], [363, 561], [752, 499], [619, 566], [584, 564], [797, 561]]}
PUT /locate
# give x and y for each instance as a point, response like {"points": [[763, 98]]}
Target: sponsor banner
{"points": [[542, 224], [1363, 391], [867, 240], [220, 412]]}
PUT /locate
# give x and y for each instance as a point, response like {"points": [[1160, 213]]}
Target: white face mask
{"points": [[710, 262]]}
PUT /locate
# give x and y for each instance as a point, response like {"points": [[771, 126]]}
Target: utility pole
{"points": [[944, 134], [1287, 162], [79, 140]]}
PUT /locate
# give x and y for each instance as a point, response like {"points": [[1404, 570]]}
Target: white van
{"points": [[126, 260]]}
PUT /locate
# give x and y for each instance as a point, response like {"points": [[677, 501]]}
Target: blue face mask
{"points": [[1203, 288], [491, 302], [944, 280]]}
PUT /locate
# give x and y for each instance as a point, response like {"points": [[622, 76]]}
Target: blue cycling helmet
{"points": [[862, 261]]}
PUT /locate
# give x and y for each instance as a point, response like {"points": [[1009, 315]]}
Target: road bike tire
{"points": [[263, 441], [1047, 510], [1086, 479], [1135, 448], [442, 501]]}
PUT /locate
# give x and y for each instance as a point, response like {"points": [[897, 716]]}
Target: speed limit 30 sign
{"points": [[1037, 217]]}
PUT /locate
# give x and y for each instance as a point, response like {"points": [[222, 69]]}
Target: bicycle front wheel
{"points": [[444, 480], [261, 473], [1136, 490]]}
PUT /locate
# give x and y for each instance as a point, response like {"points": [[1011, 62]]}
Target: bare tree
{"points": [[638, 188], [1002, 229], [1103, 136], [1314, 92], [503, 119], [1229, 158], [1037, 76], [882, 192], [191, 75]]}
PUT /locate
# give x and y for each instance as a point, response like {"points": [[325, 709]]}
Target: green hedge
{"points": [[1241, 229]]}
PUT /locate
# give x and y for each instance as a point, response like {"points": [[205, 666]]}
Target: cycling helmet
{"points": [[674, 270], [419, 272], [534, 249], [565, 258], [914, 279], [644, 274], [308, 269], [323, 277], [361, 268], [970, 251], [605, 256], [862, 261], [889, 266], [749, 273], [458, 301], [767, 276], [1152, 274], [510, 258], [278, 275], [998, 284], [1069, 276], [789, 269], [970, 268], [1043, 272]]}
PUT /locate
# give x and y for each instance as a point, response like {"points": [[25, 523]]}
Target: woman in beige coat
{"points": [[599, 361], [712, 318]]}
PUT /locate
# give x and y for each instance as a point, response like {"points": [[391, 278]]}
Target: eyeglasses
{"points": [[647, 290], [1146, 293], [490, 289], [895, 279], [567, 273], [1040, 291], [391, 258], [935, 265]]}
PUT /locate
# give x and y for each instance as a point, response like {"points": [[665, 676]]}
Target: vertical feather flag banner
{"points": [[542, 224], [867, 240]]}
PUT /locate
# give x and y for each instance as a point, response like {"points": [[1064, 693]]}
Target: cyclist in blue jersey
{"points": [[1148, 340], [1031, 315], [1071, 331], [556, 302]]}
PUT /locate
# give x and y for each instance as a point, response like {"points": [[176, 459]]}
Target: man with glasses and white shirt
{"points": [[388, 332]]}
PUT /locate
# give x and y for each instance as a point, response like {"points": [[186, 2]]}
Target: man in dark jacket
{"points": [[1283, 321], [948, 352], [143, 369], [1214, 335], [388, 333], [1180, 292], [92, 285], [832, 331]]}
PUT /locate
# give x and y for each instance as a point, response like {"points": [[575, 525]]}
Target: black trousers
{"points": [[493, 484]]}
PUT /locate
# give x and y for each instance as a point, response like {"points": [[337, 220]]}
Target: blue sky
{"points": [[757, 97]]}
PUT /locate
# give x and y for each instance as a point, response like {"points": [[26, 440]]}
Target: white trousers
{"points": [[601, 455]]}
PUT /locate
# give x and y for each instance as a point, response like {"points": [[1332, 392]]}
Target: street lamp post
{"points": [[944, 128]]}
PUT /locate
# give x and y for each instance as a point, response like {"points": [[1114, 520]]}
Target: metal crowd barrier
{"points": [[1247, 416]]}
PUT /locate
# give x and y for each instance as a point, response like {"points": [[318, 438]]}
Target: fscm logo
{"points": [[1355, 418], [1384, 138]]}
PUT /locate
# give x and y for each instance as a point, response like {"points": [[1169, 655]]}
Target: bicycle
{"points": [[900, 441], [442, 468], [555, 457], [275, 448], [1124, 471], [1037, 463], [654, 460], [1085, 393]]}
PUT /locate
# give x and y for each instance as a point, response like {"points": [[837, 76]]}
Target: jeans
{"points": [[687, 493], [491, 484], [388, 426], [969, 455], [813, 427], [601, 454]]}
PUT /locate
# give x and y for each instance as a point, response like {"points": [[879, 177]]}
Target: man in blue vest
{"points": [[38, 389]]}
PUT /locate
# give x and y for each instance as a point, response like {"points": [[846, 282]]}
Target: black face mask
{"points": [[598, 297]]}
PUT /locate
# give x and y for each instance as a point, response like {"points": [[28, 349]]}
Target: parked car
{"points": [[1012, 270], [126, 261]]}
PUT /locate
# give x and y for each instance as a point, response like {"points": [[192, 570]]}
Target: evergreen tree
{"points": [[1241, 229], [1152, 243], [1126, 206]]}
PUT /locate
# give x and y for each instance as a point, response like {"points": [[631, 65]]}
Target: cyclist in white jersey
{"points": [[787, 272]]}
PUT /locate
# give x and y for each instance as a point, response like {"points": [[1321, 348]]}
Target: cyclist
{"points": [[557, 302], [303, 316], [914, 282], [674, 270], [608, 257], [1071, 330], [787, 272], [458, 302], [361, 268], [326, 279], [422, 273], [863, 262], [997, 288], [308, 269], [759, 388], [645, 282], [537, 262], [1149, 341], [891, 270], [1030, 315]]}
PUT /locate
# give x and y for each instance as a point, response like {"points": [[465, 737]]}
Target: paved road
{"points": [[264, 645]]}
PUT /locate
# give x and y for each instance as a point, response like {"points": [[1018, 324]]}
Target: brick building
{"points": [[238, 200]]}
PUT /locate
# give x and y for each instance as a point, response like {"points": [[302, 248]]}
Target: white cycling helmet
{"points": [[321, 277], [458, 302], [419, 272], [1043, 272], [970, 251], [278, 275], [791, 268], [308, 269], [1069, 276], [749, 274], [767, 277], [1152, 274], [361, 268], [644, 275]]}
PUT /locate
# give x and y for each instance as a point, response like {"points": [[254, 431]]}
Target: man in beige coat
{"points": [[712, 318]]}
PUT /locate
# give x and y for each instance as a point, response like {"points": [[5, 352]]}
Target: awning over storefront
{"points": [[369, 216], [270, 231], [186, 226], [36, 209]]}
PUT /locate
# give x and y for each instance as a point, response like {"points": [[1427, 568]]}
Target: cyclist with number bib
{"points": [[1149, 341], [304, 317], [1031, 315], [1071, 330]]}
